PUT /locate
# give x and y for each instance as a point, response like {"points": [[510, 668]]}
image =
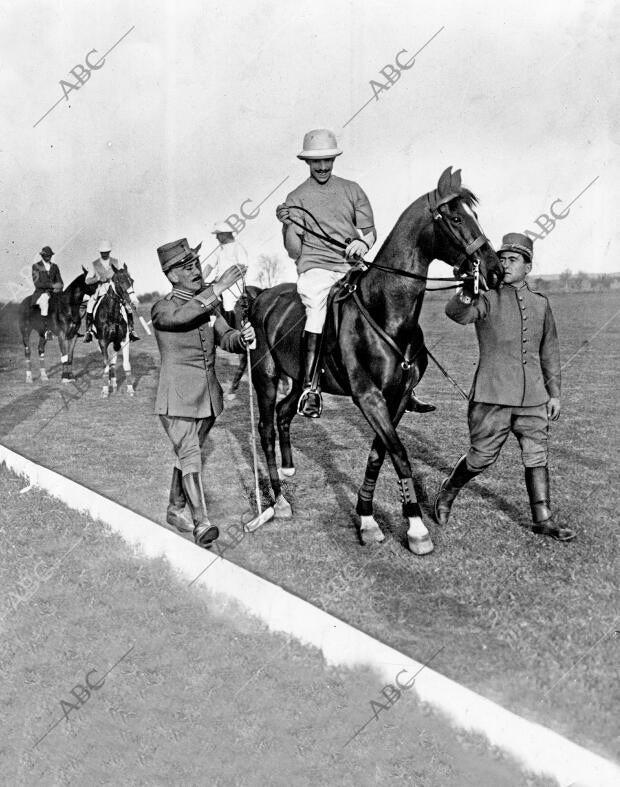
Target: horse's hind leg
{"points": [[286, 410], [243, 363], [266, 393], [41, 348]]}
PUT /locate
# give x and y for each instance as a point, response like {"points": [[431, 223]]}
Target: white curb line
{"points": [[535, 747]]}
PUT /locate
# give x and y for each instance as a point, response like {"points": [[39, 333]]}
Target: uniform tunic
{"points": [[518, 371], [189, 396]]}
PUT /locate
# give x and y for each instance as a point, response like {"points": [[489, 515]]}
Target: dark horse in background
{"points": [[110, 323], [64, 319], [373, 345]]}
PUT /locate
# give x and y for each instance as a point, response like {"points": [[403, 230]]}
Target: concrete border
{"points": [[536, 748]]}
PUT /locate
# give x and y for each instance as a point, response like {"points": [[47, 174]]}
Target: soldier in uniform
{"points": [[344, 213], [189, 396], [101, 271], [517, 384], [47, 280]]}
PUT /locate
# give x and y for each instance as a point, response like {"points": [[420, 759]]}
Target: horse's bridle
{"points": [[468, 250], [434, 203]]}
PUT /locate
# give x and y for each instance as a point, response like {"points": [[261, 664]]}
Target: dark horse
{"points": [[111, 328], [63, 321], [373, 345]]}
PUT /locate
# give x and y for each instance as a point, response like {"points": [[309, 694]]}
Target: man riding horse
{"points": [[101, 271], [342, 210], [47, 281]]}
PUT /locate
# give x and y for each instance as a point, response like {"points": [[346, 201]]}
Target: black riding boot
{"points": [[537, 483], [450, 488], [415, 405], [133, 336], [310, 402], [89, 328], [176, 504], [204, 532]]}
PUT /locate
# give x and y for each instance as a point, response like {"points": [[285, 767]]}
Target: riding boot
{"points": [[310, 402], [133, 336], [415, 405], [204, 532], [89, 328], [176, 504], [537, 483], [450, 488]]}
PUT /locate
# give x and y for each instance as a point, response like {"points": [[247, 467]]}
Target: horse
{"points": [[63, 321], [373, 346], [111, 327]]}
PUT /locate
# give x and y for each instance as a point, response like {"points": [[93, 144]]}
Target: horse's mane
{"points": [[468, 197], [73, 284]]}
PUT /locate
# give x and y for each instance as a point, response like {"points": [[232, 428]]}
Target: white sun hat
{"points": [[319, 143]]}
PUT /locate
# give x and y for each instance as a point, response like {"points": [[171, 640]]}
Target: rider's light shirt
{"points": [[227, 255], [101, 270], [341, 207]]}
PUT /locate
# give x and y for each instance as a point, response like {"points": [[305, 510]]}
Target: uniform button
{"points": [[525, 316], [525, 327]]}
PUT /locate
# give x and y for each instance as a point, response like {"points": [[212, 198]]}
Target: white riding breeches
{"points": [[44, 303], [313, 287]]}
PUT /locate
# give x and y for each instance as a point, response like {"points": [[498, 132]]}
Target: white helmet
{"points": [[105, 245], [221, 226], [319, 143]]}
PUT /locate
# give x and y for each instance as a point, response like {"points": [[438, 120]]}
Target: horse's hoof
{"points": [[105, 393], [285, 472], [282, 508], [371, 535], [420, 545], [130, 391], [44, 378], [67, 380], [28, 377]]}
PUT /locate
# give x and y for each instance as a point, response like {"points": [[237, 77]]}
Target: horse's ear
{"points": [[444, 185], [85, 271], [456, 180]]}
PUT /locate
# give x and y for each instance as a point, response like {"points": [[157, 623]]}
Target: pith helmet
{"points": [[319, 143], [46, 252], [105, 245], [176, 253], [515, 241], [221, 227]]}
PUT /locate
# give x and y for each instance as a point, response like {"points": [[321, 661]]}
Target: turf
{"points": [[183, 688], [523, 620]]}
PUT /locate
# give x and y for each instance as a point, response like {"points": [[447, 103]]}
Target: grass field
{"points": [[196, 693], [525, 621]]}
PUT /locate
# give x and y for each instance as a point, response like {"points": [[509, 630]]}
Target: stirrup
{"points": [[311, 398]]}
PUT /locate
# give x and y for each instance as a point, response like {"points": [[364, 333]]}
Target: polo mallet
{"points": [[268, 513]]}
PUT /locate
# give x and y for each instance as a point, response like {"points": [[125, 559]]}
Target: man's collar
{"points": [[183, 294], [517, 286]]}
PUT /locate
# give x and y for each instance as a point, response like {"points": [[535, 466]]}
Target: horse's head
{"points": [[122, 279], [458, 239]]}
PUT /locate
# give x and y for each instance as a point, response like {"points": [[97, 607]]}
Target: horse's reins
{"points": [[434, 206], [468, 250]]}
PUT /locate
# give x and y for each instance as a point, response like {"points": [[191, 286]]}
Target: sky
{"points": [[203, 105]]}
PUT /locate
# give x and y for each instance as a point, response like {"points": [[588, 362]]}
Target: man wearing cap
{"points": [[47, 280], [343, 212], [516, 386], [101, 271], [189, 396], [230, 252]]}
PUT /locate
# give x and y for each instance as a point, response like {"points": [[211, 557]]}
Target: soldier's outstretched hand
{"points": [[232, 275]]}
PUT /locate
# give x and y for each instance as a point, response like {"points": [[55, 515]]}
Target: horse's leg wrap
{"points": [[365, 497], [411, 507]]}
